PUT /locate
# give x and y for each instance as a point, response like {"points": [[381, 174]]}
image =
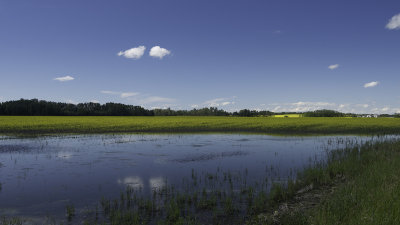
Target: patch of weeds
{"points": [[70, 211], [11, 221]]}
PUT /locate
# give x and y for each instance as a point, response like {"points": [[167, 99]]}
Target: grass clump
{"points": [[70, 212]]}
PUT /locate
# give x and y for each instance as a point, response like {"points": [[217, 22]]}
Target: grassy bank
{"points": [[59, 124], [371, 194], [366, 189]]}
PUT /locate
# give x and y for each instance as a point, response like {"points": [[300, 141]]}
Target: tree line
{"points": [[35, 107]]}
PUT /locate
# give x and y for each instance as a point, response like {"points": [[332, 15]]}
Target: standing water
{"points": [[40, 176]]}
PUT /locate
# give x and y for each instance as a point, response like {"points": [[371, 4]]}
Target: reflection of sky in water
{"points": [[133, 182], [40, 176], [156, 183]]}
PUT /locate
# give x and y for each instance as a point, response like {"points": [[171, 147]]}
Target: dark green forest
{"points": [[35, 107]]}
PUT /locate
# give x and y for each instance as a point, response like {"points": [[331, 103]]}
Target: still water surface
{"points": [[40, 176]]}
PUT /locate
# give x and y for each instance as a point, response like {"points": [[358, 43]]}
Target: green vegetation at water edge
{"points": [[371, 194], [103, 124], [366, 188]]}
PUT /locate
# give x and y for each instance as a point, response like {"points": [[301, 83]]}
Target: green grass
{"points": [[369, 195], [62, 124]]}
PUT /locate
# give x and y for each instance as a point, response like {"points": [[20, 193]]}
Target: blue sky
{"points": [[264, 55]]}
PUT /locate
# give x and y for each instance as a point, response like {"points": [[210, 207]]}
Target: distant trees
{"points": [[34, 107], [323, 113], [212, 111], [251, 113]]}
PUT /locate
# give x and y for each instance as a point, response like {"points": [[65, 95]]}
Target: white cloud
{"points": [[362, 108], [217, 102], [385, 109], [128, 94], [66, 78], [153, 99], [362, 105], [121, 94], [138, 98], [214, 102], [158, 52], [111, 92], [371, 84], [72, 102], [334, 66], [302, 106], [95, 101], [133, 53], [394, 23]]}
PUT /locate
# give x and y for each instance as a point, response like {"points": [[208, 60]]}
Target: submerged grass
{"points": [[109, 124]]}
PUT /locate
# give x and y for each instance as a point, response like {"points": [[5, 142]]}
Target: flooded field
{"points": [[41, 177]]}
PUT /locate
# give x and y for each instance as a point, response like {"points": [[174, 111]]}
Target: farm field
{"points": [[302, 125], [288, 115]]}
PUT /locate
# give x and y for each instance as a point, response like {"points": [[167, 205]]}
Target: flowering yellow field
{"points": [[109, 124]]}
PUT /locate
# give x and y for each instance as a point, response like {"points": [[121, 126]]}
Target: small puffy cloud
{"points": [[128, 94], [94, 101], [133, 53], [66, 78], [371, 84], [158, 52], [394, 23], [334, 66]]}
